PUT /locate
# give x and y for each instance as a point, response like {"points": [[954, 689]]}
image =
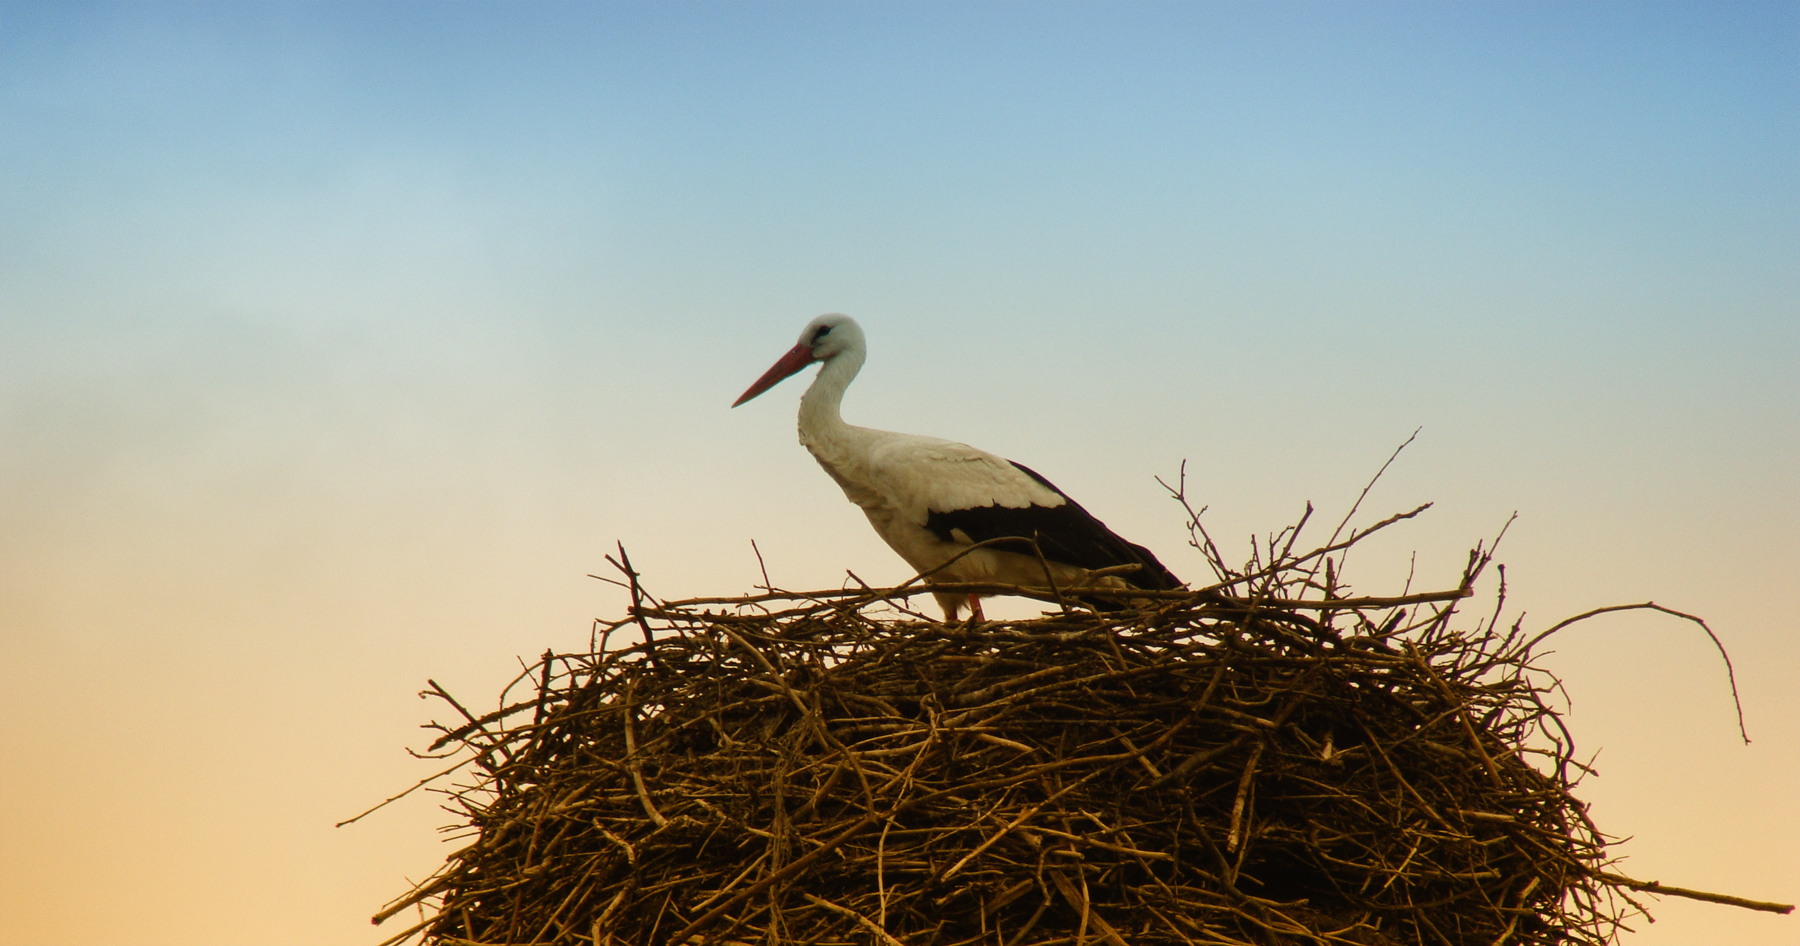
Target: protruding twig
{"points": [[1651, 886], [1730, 674]]}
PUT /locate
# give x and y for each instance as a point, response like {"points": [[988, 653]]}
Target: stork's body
{"points": [[932, 499]]}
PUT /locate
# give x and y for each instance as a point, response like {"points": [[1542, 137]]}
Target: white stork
{"points": [[932, 499]]}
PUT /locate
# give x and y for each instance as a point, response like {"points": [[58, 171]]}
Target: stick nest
{"points": [[1264, 761]]}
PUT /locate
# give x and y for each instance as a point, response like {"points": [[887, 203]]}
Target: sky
{"points": [[340, 343]]}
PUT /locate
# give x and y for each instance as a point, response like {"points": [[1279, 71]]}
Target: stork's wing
{"points": [[1065, 533], [924, 474], [952, 488]]}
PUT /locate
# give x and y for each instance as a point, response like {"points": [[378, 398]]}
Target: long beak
{"points": [[798, 357]]}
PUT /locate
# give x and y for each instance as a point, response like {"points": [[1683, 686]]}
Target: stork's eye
{"points": [[821, 332]]}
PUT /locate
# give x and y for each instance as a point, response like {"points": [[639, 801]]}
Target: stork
{"points": [[932, 500]]}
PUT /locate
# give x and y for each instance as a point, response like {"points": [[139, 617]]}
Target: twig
{"points": [[1651, 886], [1730, 675], [631, 762]]}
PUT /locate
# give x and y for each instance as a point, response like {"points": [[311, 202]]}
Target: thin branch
{"points": [[1730, 674]]}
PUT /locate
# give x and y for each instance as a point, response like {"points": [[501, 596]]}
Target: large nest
{"points": [[1266, 761]]}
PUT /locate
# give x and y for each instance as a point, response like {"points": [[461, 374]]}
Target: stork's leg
{"points": [[953, 602], [950, 602]]}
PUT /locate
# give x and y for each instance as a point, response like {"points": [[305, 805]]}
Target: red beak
{"points": [[798, 357]]}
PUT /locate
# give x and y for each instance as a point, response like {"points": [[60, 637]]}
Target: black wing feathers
{"points": [[1068, 534]]}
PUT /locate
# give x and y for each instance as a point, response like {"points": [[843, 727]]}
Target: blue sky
{"points": [[338, 342]]}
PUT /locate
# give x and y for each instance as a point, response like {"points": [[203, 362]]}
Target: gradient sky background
{"points": [[338, 344]]}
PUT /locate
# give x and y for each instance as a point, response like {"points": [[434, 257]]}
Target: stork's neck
{"points": [[820, 421]]}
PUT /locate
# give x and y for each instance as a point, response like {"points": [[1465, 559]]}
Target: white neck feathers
{"points": [[819, 417]]}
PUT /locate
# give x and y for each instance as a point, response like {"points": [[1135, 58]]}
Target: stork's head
{"points": [[823, 338]]}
